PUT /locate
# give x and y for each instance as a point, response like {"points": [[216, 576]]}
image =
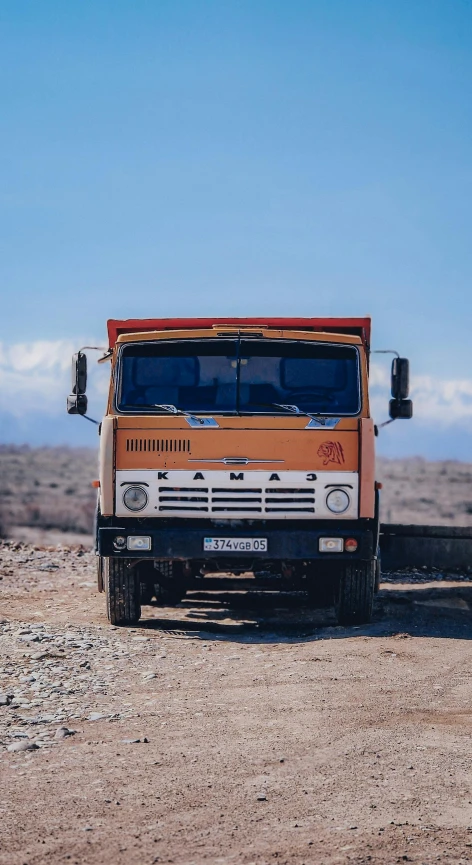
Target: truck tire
{"points": [[170, 586], [355, 593], [122, 591]]}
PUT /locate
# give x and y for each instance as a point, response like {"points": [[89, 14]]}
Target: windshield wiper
{"points": [[319, 418], [172, 409], [294, 409], [192, 419]]}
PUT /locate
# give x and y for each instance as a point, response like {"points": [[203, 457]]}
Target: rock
{"points": [[63, 733], [262, 798], [148, 676], [130, 741], [5, 699], [23, 745], [96, 716]]}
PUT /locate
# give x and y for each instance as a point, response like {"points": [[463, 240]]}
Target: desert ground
{"points": [[230, 730], [233, 728]]}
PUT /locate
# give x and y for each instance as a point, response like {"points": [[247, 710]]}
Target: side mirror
{"points": [[77, 404], [77, 401], [401, 408], [400, 378], [79, 373]]}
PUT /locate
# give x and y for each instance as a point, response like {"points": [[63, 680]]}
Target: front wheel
{"points": [[355, 593], [122, 591]]}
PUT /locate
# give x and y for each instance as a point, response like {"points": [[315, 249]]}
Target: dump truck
{"points": [[238, 447]]}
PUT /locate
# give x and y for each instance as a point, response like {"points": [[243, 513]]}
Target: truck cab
{"points": [[238, 446]]}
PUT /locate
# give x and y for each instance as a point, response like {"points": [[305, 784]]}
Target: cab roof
{"points": [[360, 327]]}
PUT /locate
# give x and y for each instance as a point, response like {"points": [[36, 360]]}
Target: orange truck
{"points": [[235, 446]]}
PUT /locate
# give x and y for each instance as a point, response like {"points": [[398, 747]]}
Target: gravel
{"points": [[62, 674], [255, 744]]}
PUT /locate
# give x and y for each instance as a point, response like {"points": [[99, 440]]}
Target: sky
{"points": [[237, 158]]}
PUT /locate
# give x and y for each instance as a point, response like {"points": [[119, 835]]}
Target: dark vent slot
{"points": [[237, 500], [291, 500], [232, 508], [285, 492], [236, 490], [183, 489], [181, 508], [183, 498], [291, 510]]}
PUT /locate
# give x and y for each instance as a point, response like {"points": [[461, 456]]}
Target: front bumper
{"points": [[282, 543]]}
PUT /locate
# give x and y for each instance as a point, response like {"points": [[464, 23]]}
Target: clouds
{"points": [[446, 402], [35, 380], [36, 377]]}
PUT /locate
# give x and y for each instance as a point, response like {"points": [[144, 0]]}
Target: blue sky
{"points": [[167, 158]]}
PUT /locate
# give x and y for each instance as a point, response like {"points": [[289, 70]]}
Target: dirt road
{"points": [[227, 731]]}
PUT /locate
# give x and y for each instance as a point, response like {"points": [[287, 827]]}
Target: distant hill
{"points": [[48, 489]]}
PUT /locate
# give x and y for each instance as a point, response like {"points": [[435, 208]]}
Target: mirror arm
{"points": [[93, 348], [107, 356], [107, 351], [91, 419]]}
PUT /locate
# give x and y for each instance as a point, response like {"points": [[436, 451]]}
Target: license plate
{"points": [[235, 545]]}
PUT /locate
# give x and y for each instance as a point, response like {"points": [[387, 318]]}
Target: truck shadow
{"points": [[442, 611]]}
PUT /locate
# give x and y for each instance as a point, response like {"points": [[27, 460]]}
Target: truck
{"points": [[238, 446]]}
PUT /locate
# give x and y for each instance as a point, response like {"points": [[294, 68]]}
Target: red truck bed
{"points": [[355, 326]]}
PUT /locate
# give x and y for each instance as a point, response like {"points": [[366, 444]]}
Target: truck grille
{"points": [[159, 446], [227, 501]]}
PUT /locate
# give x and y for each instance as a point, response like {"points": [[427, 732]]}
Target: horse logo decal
{"points": [[331, 452]]}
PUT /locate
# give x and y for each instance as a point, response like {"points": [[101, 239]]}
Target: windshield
{"points": [[247, 376]]}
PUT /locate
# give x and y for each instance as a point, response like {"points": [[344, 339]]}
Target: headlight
{"points": [[135, 498], [338, 501]]}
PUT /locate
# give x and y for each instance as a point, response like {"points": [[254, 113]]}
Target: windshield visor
{"points": [[240, 376]]}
